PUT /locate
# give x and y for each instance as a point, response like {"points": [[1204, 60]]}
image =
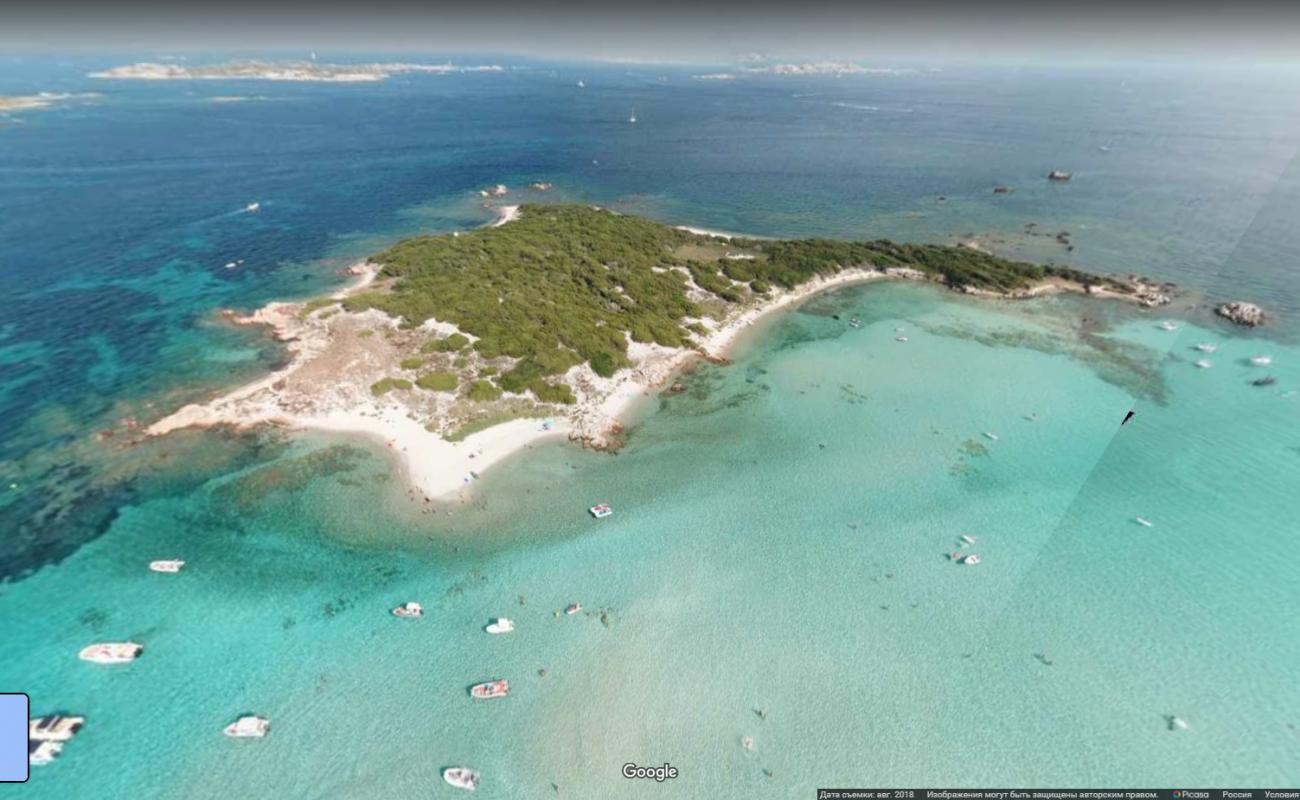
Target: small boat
{"points": [[1143, 521], [54, 728], [248, 726], [632, 119], [1204, 364], [992, 436], [1059, 175], [1261, 361], [747, 742], [167, 565], [253, 208], [1168, 325], [582, 84], [573, 608], [40, 753], [461, 777], [1207, 347], [900, 338], [500, 625], [967, 538], [410, 609], [490, 689], [855, 323], [971, 560], [231, 265], [601, 511], [1267, 380], [111, 652]]}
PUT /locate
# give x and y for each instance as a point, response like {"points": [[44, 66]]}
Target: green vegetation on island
{"points": [[566, 285], [438, 381], [386, 385]]}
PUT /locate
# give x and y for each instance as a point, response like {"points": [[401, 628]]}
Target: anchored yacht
{"points": [[248, 726], [601, 511], [111, 652], [461, 777], [490, 689], [411, 609], [166, 565], [54, 728], [500, 625]]}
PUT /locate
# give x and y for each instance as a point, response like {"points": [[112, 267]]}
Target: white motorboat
{"points": [[573, 608], [582, 84], [1207, 347], [967, 538], [855, 323], [253, 208], [1167, 325], [461, 777], [54, 728], [111, 652], [971, 560], [632, 119], [1143, 521], [248, 726], [500, 625], [167, 565], [411, 609], [992, 436], [900, 338], [41, 753], [1261, 361], [490, 689], [1204, 364], [601, 511]]}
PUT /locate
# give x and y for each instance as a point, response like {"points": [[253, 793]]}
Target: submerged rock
{"points": [[1241, 313]]}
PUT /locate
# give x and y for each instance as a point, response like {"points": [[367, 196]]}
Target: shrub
{"points": [[438, 381], [411, 363], [450, 344], [554, 393], [386, 385], [484, 391]]}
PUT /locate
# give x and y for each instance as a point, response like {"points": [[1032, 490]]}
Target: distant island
{"points": [[280, 71], [42, 100], [458, 349]]}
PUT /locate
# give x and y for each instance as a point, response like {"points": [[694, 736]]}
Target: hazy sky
{"points": [[698, 32]]}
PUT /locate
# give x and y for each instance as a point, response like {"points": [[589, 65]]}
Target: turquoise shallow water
{"points": [[746, 567]]}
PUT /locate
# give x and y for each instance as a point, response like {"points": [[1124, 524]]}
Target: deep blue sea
{"points": [[747, 568]]}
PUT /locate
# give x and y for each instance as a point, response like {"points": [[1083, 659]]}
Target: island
{"points": [[456, 350], [280, 71], [42, 100]]}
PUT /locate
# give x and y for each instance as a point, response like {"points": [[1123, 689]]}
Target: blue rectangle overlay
{"points": [[13, 738]]}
